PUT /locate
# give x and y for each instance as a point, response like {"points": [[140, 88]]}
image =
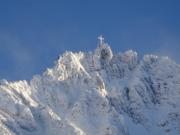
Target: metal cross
{"points": [[101, 39]]}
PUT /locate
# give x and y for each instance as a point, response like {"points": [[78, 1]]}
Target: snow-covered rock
{"points": [[95, 93]]}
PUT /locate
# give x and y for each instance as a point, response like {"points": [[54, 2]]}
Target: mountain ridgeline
{"points": [[95, 93]]}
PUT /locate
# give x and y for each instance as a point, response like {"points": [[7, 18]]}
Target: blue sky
{"points": [[34, 32]]}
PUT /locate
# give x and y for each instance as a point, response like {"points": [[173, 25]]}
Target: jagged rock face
{"points": [[95, 93], [105, 55]]}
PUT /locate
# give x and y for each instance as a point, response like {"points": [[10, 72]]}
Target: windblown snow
{"points": [[95, 93]]}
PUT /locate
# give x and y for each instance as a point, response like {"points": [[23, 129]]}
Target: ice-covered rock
{"points": [[95, 93]]}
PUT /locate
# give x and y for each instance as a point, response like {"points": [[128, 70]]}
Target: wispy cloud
{"points": [[20, 56], [169, 47]]}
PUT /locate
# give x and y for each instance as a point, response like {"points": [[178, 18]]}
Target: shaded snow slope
{"points": [[95, 93]]}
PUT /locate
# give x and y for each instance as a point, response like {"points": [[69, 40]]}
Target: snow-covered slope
{"points": [[95, 93]]}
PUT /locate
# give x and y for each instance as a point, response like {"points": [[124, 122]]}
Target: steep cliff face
{"points": [[95, 93]]}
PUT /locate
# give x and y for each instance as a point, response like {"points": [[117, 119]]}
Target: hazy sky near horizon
{"points": [[34, 32]]}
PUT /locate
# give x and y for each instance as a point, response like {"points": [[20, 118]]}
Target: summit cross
{"points": [[101, 39]]}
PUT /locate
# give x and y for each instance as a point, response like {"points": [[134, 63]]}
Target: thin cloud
{"points": [[19, 55], [169, 47]]}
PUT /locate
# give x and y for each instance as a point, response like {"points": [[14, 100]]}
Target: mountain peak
{"points": [[95, 93]]}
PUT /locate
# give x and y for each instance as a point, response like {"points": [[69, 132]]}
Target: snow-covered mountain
{"points": [[95, 93]]}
